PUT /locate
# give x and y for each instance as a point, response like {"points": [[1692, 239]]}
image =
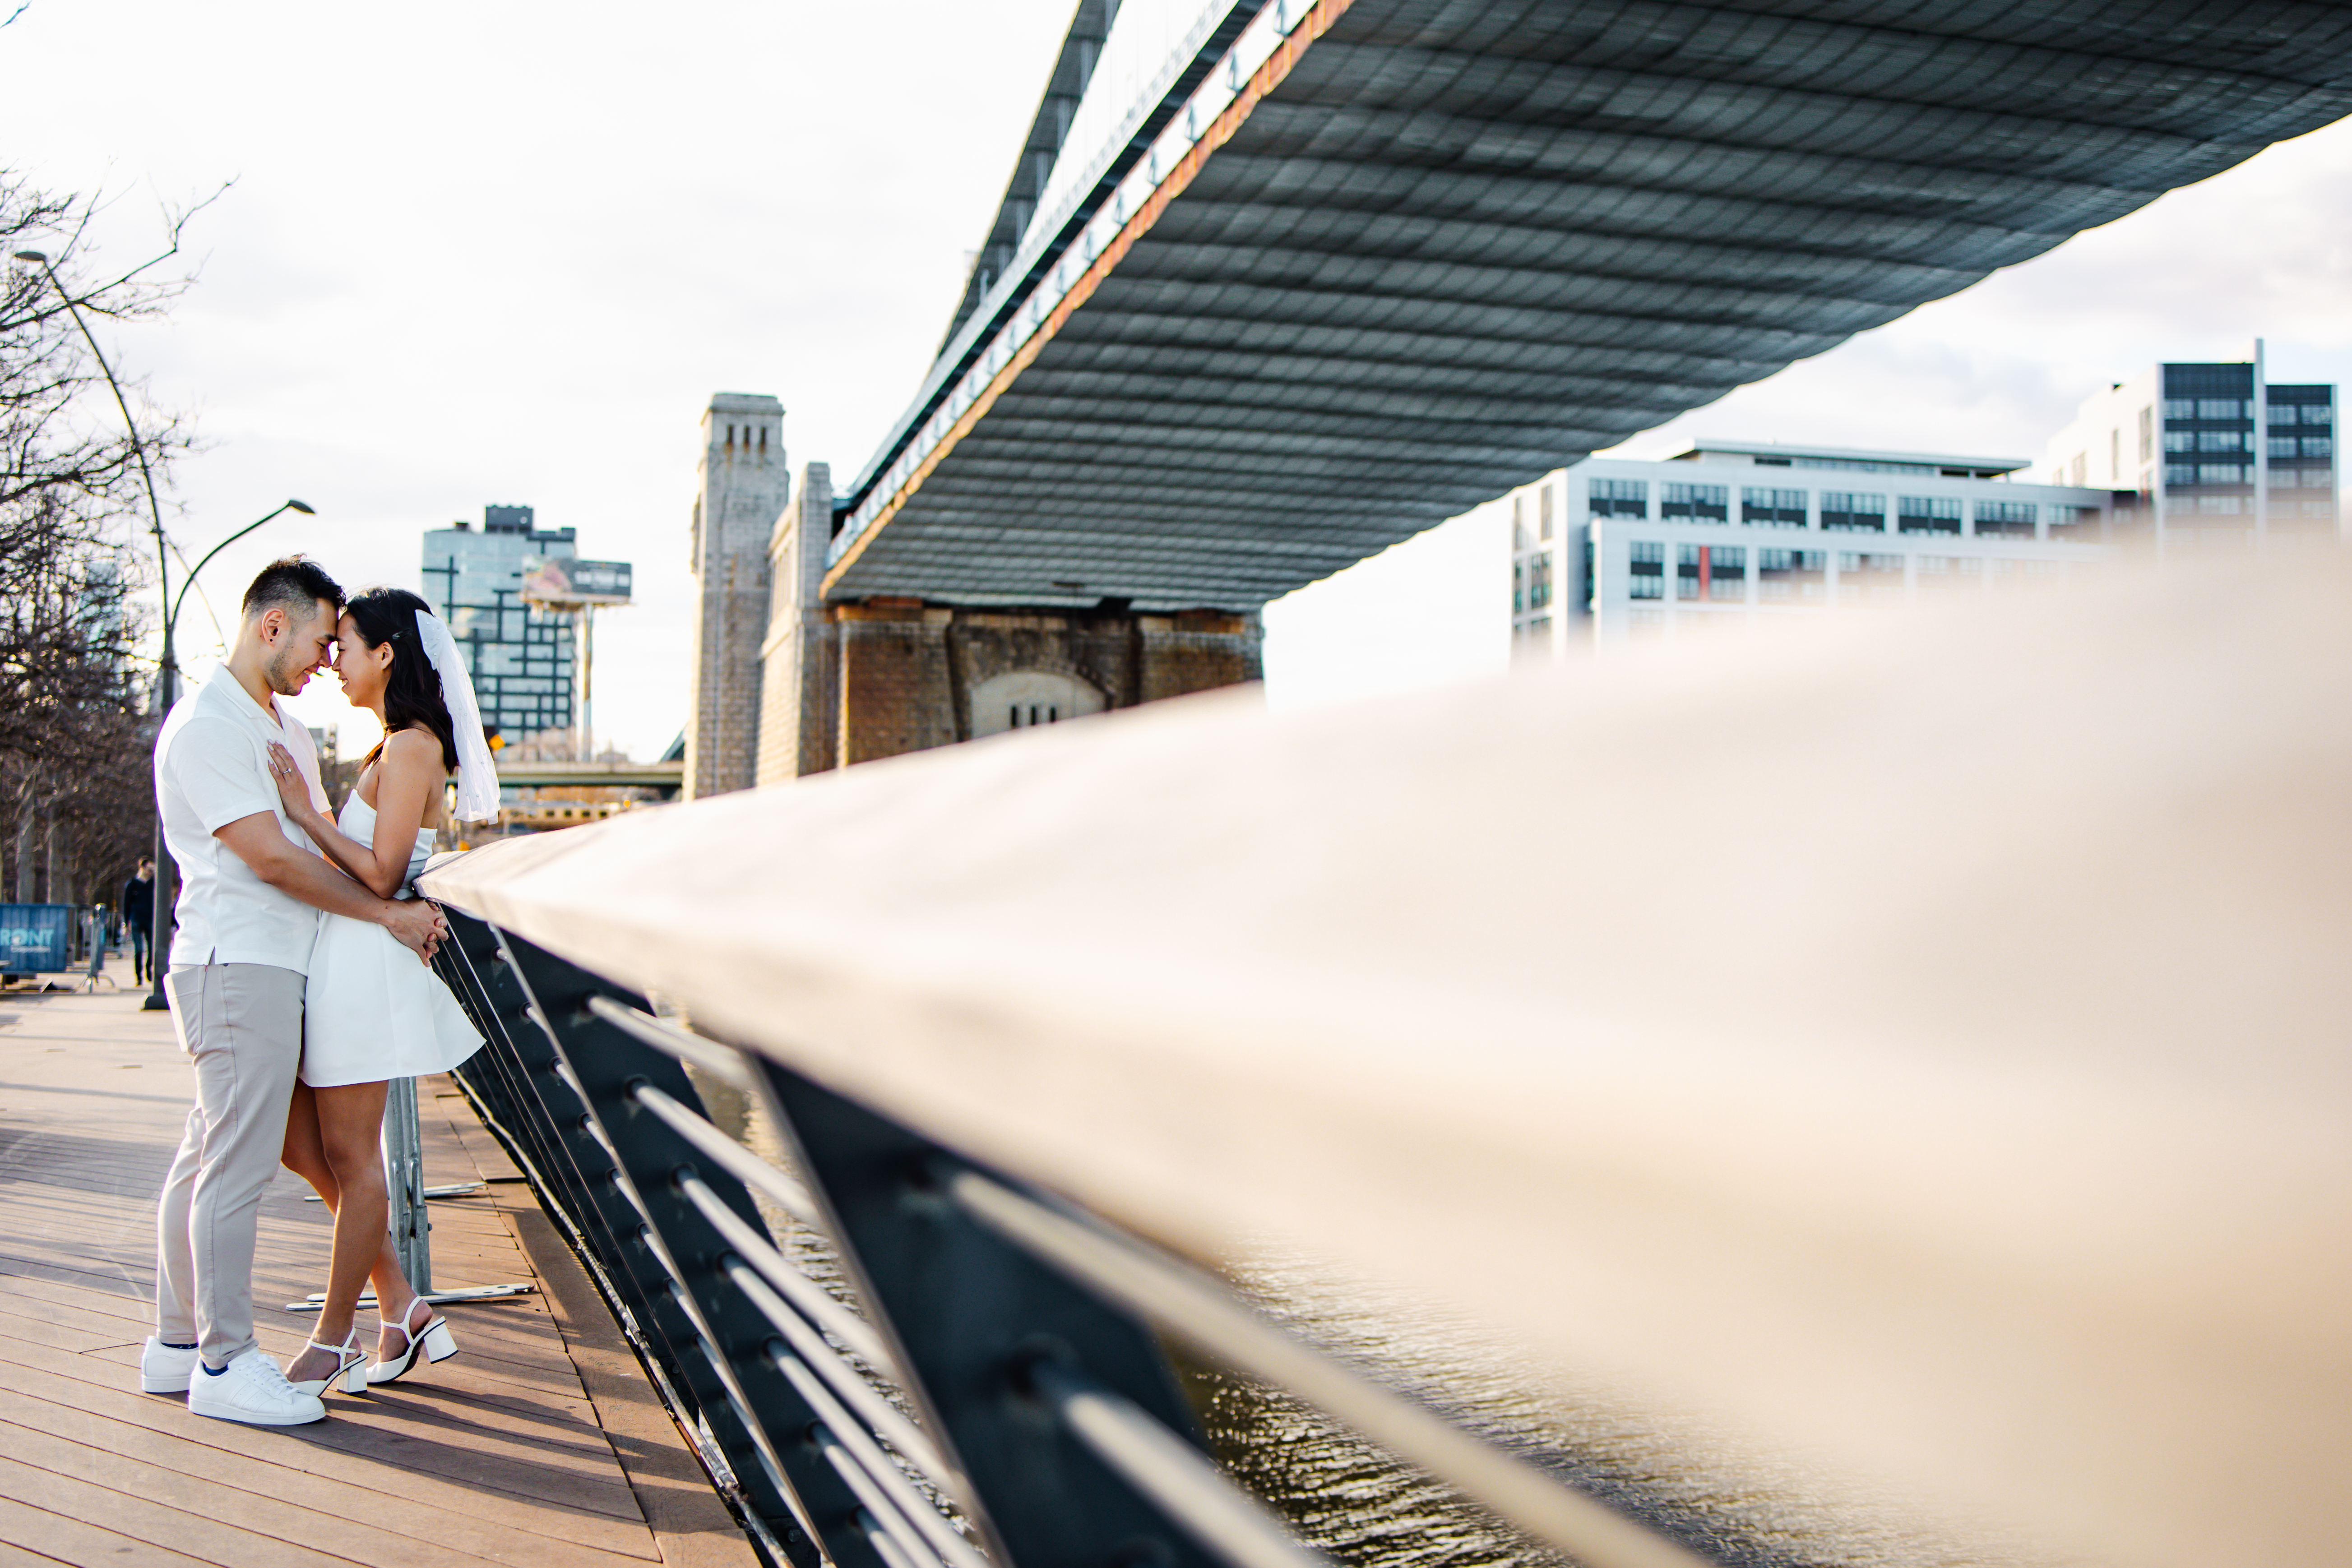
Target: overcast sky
{"points": [[506, 253]]}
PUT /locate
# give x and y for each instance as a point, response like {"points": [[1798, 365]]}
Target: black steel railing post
{"points": [[736, 1343], [564, 1150], [970, 1317]]}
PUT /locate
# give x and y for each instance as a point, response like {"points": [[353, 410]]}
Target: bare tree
{"points": [[75, 790]]}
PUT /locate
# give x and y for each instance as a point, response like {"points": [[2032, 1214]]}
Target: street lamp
{"points": [[168, 686]]}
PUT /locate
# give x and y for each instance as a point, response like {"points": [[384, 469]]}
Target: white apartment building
{"points": [[2218, 453], [1611, 550]]}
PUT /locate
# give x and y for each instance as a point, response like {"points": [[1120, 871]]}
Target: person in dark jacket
{"points": [[139, 915]]}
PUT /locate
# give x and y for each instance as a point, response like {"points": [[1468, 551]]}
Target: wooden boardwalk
{"points": [[540, 1445]]}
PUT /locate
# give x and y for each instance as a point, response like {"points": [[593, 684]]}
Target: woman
{"points": [[371, 1013]]}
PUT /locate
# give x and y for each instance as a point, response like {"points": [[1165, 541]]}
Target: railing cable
{"points": [[1191, 1307], [893, 1427], [1184, 1482], [739, 1161], [944, 1542], [868, 1493], [805, 1294], [720, 1061]]}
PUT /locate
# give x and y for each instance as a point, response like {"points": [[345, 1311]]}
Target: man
{"points": [[139, 914], [249, 886]]}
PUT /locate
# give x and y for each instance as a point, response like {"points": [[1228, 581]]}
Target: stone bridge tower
{"points": [[744, 483]]}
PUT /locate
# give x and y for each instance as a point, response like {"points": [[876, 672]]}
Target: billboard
{"points": [[562, 580], [34, 938]]}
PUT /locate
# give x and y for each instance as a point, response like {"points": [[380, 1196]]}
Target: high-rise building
{"points": [[2218, 453], [1611, 548], [520, 658]]}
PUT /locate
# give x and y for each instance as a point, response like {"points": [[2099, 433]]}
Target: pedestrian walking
{"points": [[139, 915]]}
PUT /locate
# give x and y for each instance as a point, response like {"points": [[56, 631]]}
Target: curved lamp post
{"points": [[168, 690]]}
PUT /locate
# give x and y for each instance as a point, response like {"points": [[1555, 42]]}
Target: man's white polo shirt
{"points": [[212, 768]]}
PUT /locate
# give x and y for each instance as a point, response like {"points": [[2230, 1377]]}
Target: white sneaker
{"points": [[164, 1370], [252, 1389]]}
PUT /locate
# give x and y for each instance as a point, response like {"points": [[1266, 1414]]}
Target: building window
{"points": [[1694, 503], [1539, 580], [1945, 573], [2115, 455], [1853, 511], [2073, 521], [1785, 574], [2319, 447], [1519, 540], [2147, 432], [2221, 441], [1518, 586], [2005, 519], [2180, 440], [1869, 579], [1686, 571], [2225, 408], [2282, 446], [1620, 497], [1543, 513], [2218, 506], [1928, 514], [2179, 408], [2179, 473], [1723, 572], [1646, 559], [1773, 508], [2081, 466], [2221, 474]]}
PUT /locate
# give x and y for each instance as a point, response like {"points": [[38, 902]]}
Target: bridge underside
{"points": [[1454, 244]]}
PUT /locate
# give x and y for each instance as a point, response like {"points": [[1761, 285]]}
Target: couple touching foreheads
{"points": [[297, 981]]}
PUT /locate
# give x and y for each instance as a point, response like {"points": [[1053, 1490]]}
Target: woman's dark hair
{"points": [[411, 688]]}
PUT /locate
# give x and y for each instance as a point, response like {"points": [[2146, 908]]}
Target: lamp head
{"points": [[33, 255], [302, 507]]}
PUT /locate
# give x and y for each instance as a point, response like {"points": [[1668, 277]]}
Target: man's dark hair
{"points": [[294, 583]]}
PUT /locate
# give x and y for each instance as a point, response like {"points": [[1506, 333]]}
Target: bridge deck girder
{"points": [[1449, 245]]}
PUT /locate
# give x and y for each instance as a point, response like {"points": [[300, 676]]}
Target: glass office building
{"points": [[521, 659], [2217, 454]]}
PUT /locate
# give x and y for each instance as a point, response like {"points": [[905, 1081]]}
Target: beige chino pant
{"points": [[242, 1026]]}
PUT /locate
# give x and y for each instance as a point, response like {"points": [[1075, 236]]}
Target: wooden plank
{"points": [[104, 1392], [497, 1457], [154, 1523], [60, 1539], [273, 1499]]}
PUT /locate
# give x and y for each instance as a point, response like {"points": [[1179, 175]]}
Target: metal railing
{"points": [[998, 1397], [1912, 1045]]}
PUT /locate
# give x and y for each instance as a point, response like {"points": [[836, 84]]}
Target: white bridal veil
{"points": [[477, 778]]}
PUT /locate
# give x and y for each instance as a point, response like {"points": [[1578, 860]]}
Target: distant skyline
{"points": [[507, 254]]}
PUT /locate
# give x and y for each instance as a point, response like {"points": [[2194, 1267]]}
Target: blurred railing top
{"points": [[1918, 1042]]}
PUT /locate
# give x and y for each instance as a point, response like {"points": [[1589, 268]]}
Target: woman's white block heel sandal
{"points": [[351, 1370], [434, 1339]]}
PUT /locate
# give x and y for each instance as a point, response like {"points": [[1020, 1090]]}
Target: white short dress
{"points": [[371, 1012]]}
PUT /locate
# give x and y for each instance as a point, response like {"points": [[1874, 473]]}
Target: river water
{"points": [[1359, 1507]]}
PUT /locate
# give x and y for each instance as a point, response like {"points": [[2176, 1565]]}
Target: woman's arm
{"points": [[408, 770]]}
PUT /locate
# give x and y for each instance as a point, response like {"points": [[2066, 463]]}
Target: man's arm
{"points": [[260, 842]]}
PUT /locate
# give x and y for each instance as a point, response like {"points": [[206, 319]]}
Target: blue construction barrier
{"points": [[36, 939]]}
